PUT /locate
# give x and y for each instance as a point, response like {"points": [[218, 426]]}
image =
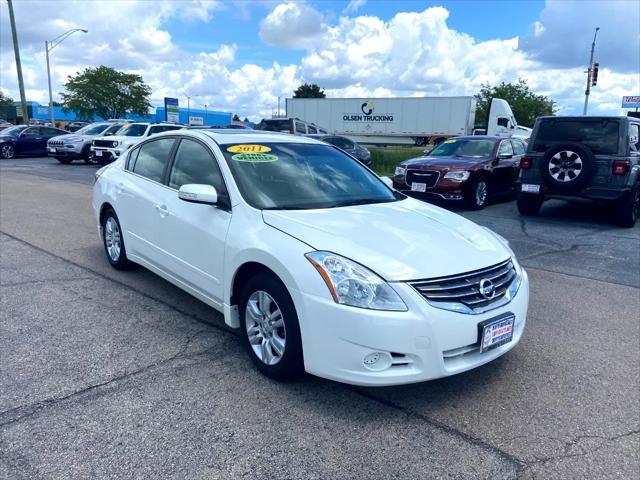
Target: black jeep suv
{"points": [[595, 158]]}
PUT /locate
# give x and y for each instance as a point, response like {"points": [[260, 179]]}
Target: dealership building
{"points": [[191, 116]]}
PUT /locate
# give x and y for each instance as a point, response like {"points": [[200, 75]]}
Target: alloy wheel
{"points": [[265, 327], [112, 239], [565, 166], [7, 151], [481, 193]]}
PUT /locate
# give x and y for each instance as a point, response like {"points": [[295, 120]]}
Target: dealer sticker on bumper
{"points": [[52, 150], [496, 331], [527, 187], [418, 187]]}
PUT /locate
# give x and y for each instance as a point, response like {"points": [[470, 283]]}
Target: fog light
{"points": [[377, 361]]}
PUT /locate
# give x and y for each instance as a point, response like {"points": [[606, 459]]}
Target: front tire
{"points": [[628, 210], [88, 157], [7, 151], [269, 328], [529, 204], [113, 241], [477, 197]]}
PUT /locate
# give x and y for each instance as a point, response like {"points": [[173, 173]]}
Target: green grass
{"points": [[385, 159]]}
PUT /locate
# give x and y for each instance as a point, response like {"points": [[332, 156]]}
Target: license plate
{"points": [[98, 153], [526, 187], [496, 331], [52, 150], [418, 187]]}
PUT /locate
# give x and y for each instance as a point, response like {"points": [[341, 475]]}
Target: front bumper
{"points": [[444, 189], [105, 155], [423, 343], [67, 151]]}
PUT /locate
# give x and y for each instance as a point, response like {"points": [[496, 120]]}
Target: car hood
{"points": [[66, 136], [444, 162], [120, 138], [404, 240]]}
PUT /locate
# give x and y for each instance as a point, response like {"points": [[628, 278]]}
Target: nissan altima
{"points": [[321, 266]]}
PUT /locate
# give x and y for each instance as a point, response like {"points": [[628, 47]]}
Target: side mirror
{"points": [[196, 193], [387, 181], [427, 151]]}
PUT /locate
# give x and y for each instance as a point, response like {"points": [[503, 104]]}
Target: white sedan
{"points": [[320, 264]]}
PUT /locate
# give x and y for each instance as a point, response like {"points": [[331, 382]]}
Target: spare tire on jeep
{"points": [[568, 166]]}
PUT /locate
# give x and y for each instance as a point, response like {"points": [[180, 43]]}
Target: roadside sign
{"points": [[196, 120], [631, 102], [171, 110]]}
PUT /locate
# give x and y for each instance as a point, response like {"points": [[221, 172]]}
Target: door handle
{"points": [[162, 210]]}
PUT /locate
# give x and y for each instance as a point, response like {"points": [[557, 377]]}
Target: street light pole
{"points": [[48, 46], [16, 51], [588, 90]]}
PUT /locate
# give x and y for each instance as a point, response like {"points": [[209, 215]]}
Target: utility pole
{"points": [[206, 115], [16, 51], [588, 90], [188, 110]]}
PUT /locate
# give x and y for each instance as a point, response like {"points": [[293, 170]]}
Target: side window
{"points": [[503, 121], [131, 161], [505, 148], [301, 128], [634, 137], [152, 158], [49, 132], [32, 132], [518, 147], [313, 129], [194, 164]]}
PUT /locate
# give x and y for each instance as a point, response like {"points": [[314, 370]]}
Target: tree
{"points": [[5, 101], [246, 120], [236, 118], [307, 90], [107, 93], [525, 104]]}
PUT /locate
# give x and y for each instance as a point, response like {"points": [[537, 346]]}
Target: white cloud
{"points": [[354, 6], [292, 25]]}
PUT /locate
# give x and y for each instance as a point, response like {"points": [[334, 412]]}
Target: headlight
{"points": [[352, 284], [400, 170], [459, 176], [114, 143]]}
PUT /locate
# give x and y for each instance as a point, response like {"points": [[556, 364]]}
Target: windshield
{"points": [[302, 176], [467, 148], [274, 125], [13, 130], [92, 130], [133, 130], [113, 129]]}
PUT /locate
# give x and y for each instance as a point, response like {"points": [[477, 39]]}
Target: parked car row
{"points": [[26, 140], [569, 158]]}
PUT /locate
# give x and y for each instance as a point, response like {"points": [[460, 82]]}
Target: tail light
{"points": [[526, 163], [620, 167]]}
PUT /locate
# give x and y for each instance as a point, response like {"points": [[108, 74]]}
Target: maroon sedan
{"points": [[463, 168]]}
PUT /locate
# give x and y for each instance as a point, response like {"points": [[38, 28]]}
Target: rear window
{"points": [[275, 125], [601, 136]]}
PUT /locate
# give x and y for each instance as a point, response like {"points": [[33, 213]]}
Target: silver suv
{"points": [[76, 146], [107, 149], [595, 158]]}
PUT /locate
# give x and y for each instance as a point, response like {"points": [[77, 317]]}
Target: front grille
{"points": [[55, 142], [462, 292], [103, 143], [428, 177]]}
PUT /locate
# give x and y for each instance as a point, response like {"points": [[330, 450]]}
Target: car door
{"points": [[27, 142], [503, 166], [193, 235], [139, 199], [518, 152]]}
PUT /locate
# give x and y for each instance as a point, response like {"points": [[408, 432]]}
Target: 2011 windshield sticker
{"points": [[254, 157], [248, 149]]}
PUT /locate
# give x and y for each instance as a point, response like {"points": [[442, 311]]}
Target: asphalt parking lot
{"points": [[121, 375]]}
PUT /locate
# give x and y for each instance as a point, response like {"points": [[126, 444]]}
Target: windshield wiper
{"points": [[363, 201]]}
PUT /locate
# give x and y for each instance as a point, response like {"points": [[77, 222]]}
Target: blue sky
{"points": [[242, 55]]}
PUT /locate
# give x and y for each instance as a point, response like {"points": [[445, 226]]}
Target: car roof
{"points": [[479, 137], [227, 136], [582, 117]]}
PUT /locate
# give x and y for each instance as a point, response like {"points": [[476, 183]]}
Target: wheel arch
{"points": [[103, 209]]}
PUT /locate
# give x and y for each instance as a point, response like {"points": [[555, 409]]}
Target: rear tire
{"points": [[529, 204], [113, 241], [476, 198], [64, 160], [269, 327], [627, 211]]}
